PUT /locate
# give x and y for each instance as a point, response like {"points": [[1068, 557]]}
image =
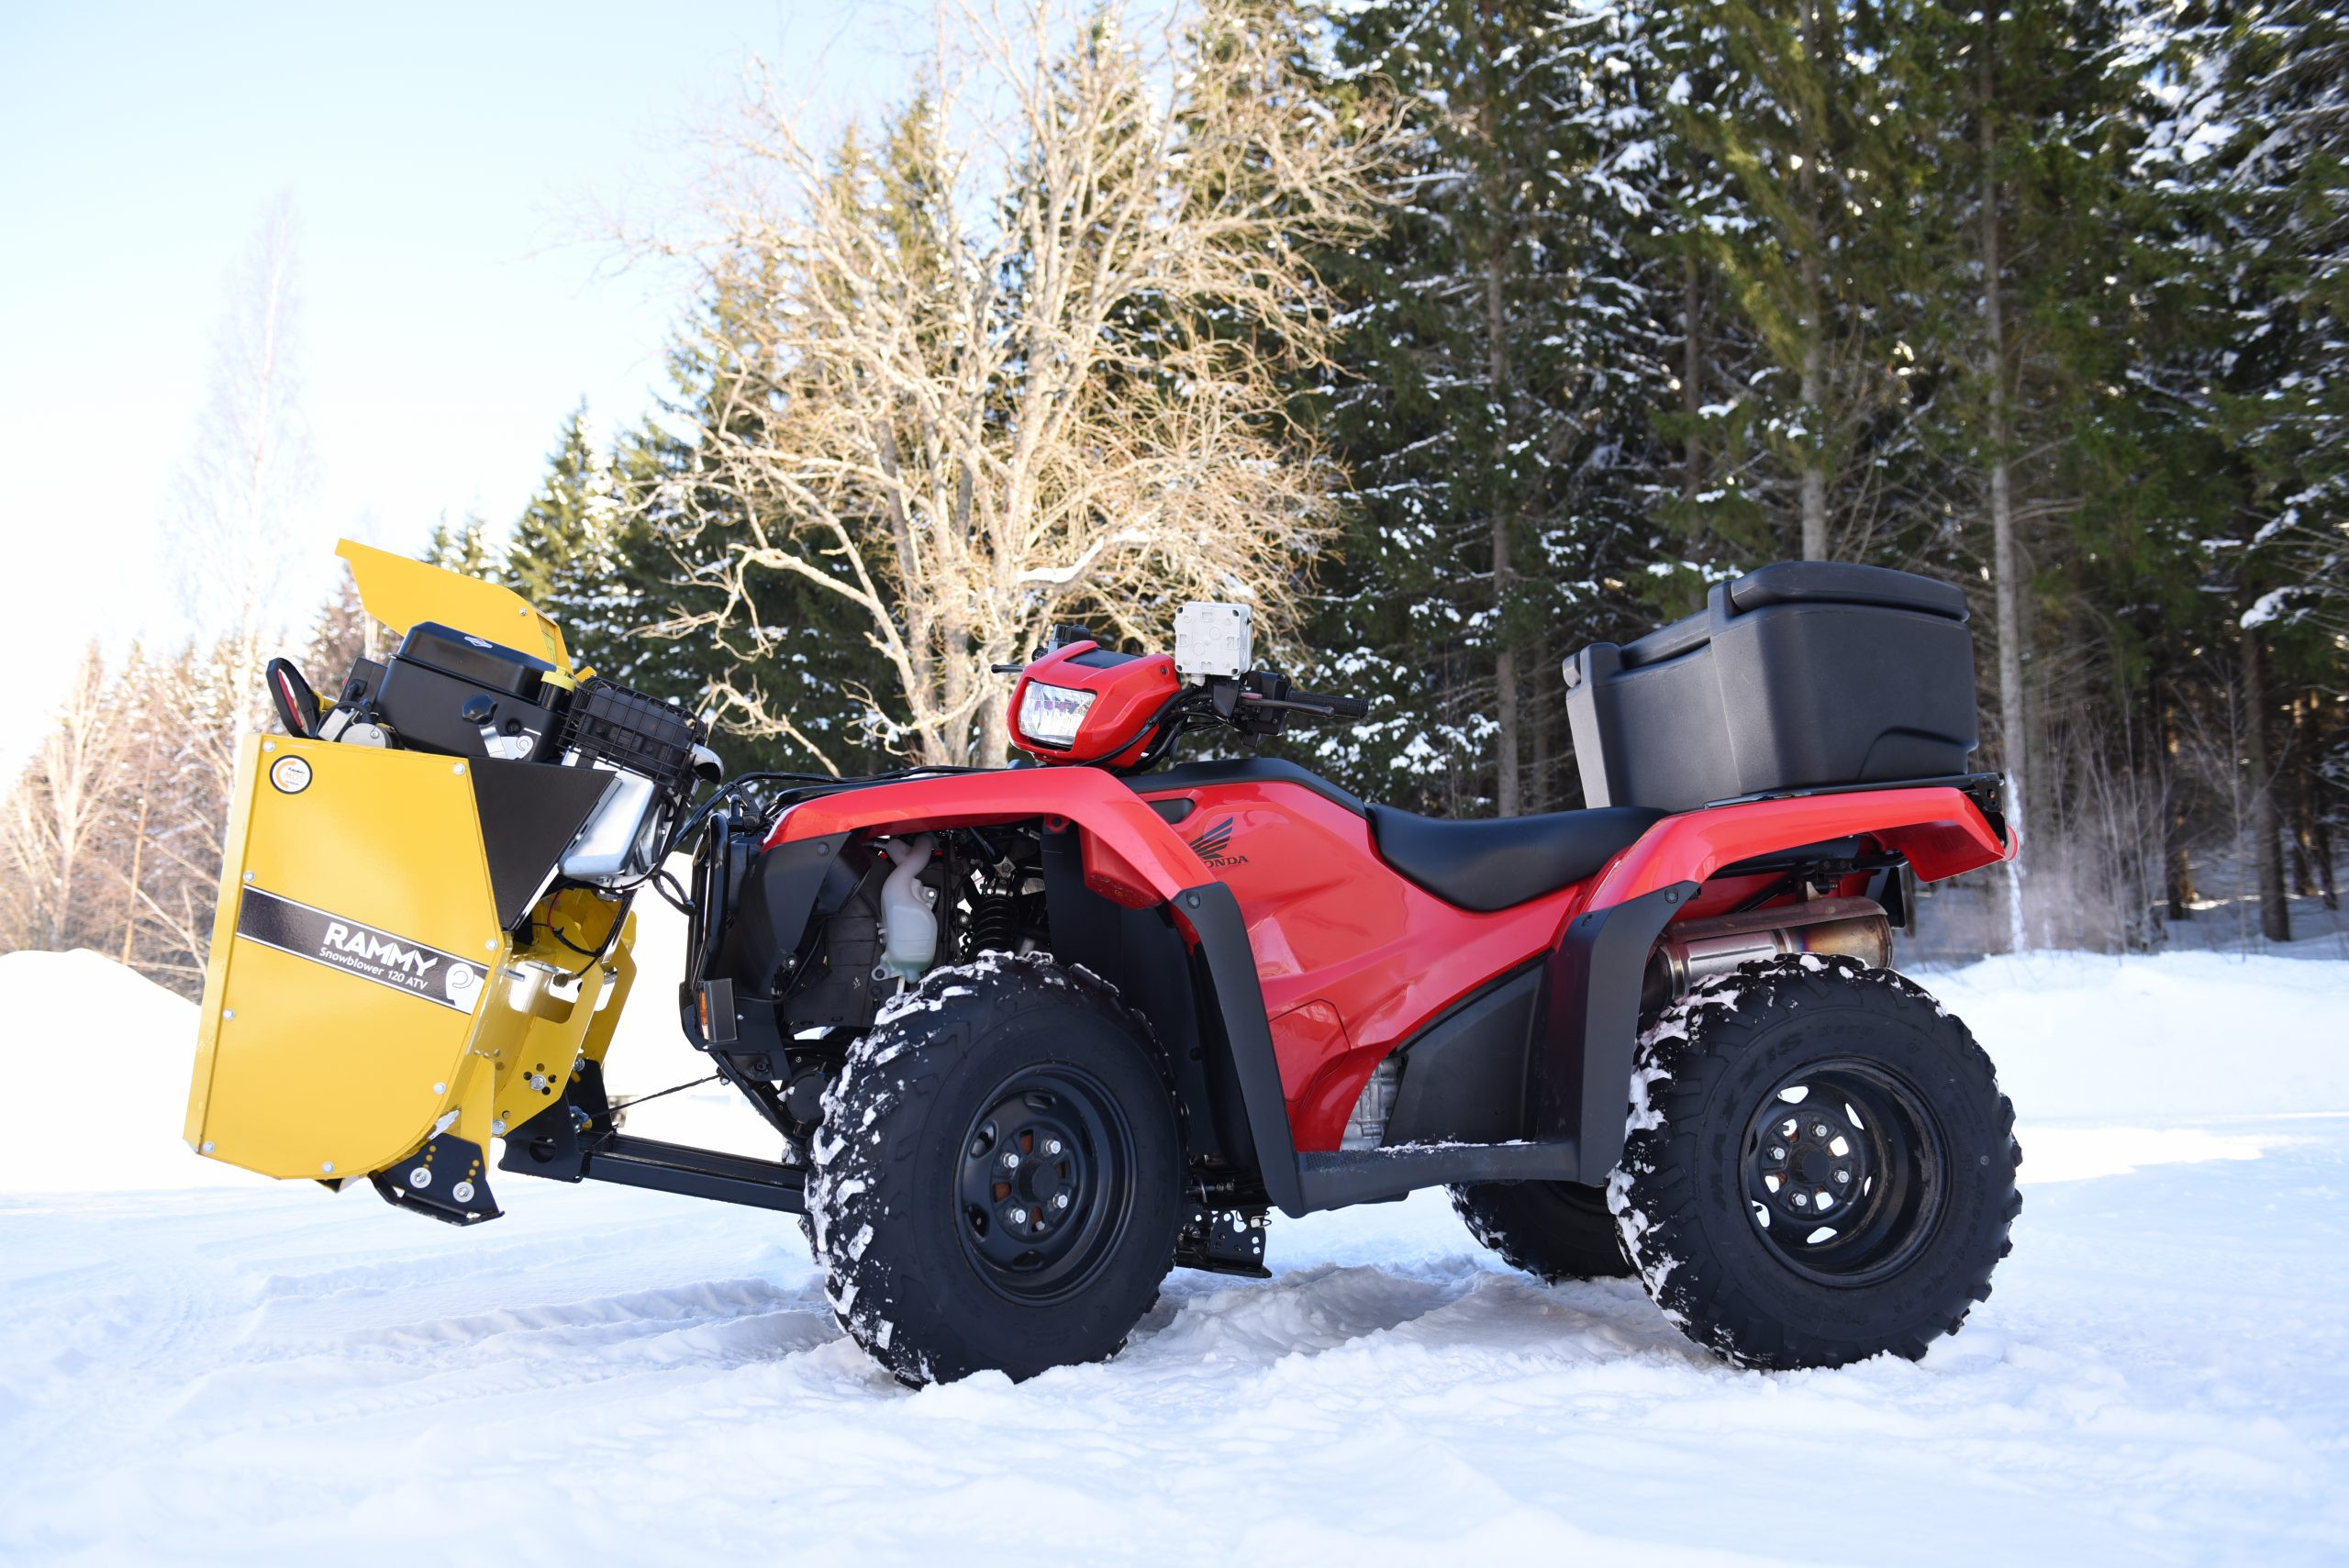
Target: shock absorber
{"points": [[992, 925]]}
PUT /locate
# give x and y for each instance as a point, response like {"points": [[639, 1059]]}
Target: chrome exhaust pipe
{"points": [[1688, 952]]}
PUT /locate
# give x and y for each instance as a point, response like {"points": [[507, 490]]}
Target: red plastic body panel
{"points": [[1137, 838], [1940, 831], [1352, 959], [1124, 698]]}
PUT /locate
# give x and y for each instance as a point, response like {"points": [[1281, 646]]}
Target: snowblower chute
{"points": [[423, 934]]}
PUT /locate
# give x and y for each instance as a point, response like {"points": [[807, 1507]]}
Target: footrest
{"points": [[1222, 1241]]}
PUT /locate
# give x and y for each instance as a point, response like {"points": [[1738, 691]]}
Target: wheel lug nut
{"points": [[1054, 1147], [1778, 1154], [1010, 1160], [1800, 1201], [1018, 1216], [1841, 1177], [1060, 1200], [1819, 1129]]}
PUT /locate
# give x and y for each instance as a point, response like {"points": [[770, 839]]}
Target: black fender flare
{"points": [[1591, 1028]]}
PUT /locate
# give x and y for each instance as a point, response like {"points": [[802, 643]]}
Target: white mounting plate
{"points": [[1214, 639]]}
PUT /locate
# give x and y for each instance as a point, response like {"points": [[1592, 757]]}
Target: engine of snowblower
{"points": [[423, 930]]}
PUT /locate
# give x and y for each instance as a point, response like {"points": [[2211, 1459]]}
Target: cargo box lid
{"points": [[1842, 583]]}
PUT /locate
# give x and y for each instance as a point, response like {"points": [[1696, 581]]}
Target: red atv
{"points": [[1032, 1037], [1043, 1033]]}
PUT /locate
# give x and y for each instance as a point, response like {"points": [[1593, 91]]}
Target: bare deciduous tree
{"points": [[58, 890], [1026, 356], [244, 490]]}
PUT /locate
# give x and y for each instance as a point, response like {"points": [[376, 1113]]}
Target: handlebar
{"points": [[1312, 704], [1333, 706]]}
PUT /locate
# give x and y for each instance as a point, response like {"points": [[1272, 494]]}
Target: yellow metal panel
{"points": [[314, 1067], [400, 592], [318, 1054], [224, 926]]}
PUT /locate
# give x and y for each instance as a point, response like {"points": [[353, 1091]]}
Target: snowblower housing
{"points": [[423, 919]]}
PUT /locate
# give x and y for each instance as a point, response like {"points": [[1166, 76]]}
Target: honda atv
{"points": [[1028, 1037]]}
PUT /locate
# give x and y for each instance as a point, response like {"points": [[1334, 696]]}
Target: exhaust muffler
{"points": [[1688, 952]]}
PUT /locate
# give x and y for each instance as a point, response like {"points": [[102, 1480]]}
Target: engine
{"points": [[452, 693]]}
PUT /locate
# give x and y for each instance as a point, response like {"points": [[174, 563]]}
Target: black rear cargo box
{"points": [[1801, 675]]}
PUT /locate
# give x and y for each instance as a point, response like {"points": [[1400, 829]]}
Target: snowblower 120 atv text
{"points": [[1028, 1038]]}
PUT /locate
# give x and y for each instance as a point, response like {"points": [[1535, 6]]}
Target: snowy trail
{"points": [[270, 1375], [2163, 1376]]}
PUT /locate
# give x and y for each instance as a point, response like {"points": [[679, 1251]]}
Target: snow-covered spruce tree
{"points": [[465, 548], [576, 552], [2235, 166], [1718, 509], [1502, 355], [1807, 236], [2020, 331], [2278, 196]]}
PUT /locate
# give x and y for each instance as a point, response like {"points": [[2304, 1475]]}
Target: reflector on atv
{"points": [[1024, 1036]]}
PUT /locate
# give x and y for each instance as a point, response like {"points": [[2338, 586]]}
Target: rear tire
{"points": [[997, 1182], [1554, 1230], [1819, 1167]]}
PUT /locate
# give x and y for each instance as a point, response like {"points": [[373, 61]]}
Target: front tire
{"points": [[1820, 1165], [999, 1180]]}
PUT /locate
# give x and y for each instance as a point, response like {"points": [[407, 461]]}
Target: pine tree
{"points": [[1804, 228], [1504, 354]]}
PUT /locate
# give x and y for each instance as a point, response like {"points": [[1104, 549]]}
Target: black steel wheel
{"points": [[1819, 1166], [1046, 1182], [1556, 1231], [997, 1184], [1846, 1172]]}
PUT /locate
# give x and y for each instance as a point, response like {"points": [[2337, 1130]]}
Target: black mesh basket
{"points": [[607, 723]]}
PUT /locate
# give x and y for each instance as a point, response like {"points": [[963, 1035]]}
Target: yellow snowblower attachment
{"points": [[397, 972]]}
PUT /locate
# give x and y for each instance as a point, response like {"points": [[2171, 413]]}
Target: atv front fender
{"points": [[1131, 855]]}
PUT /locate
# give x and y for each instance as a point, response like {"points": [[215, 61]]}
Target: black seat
{"points": [[1492, 865]]}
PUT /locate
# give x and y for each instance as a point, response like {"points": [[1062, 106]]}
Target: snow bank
{"points": [[96, 1059], [2176, 1036]]}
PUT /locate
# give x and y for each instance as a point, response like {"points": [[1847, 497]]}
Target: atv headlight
{"points": [[1049, 715]]}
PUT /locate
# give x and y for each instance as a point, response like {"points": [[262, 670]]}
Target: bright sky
{"points": [[448, 165]]}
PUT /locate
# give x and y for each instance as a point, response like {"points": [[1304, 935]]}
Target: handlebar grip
{"points": [[1339, 707]]}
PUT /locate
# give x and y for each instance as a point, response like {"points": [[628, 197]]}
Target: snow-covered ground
{"points": [[243, 1372]]}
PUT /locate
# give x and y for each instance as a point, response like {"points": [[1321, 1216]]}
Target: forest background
{"points": [[1455, 336]]}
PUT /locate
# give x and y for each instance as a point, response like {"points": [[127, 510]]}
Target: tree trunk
{"points": [[138, 850], [2328, 888], [2006, 571], [1692, 375], [1820, 26], [1540, 791], [2267, 851], [1507, 791], [1814, 457]]}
